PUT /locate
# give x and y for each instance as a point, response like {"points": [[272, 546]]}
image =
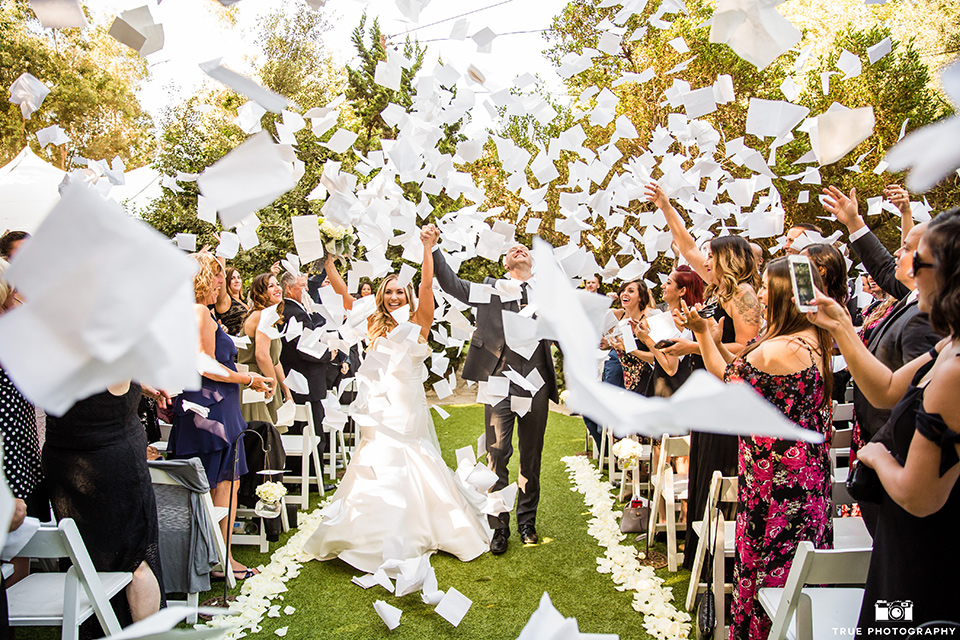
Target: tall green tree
{"points": [[93, 80], [200, 131]]}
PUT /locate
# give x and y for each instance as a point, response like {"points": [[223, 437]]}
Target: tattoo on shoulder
{"points": [[748, 306]]}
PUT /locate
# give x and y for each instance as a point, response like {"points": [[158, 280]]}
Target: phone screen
{"points": [[804, 280]]}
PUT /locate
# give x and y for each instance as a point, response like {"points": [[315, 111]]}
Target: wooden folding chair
{"points": [[799, 612], [64, 599]]}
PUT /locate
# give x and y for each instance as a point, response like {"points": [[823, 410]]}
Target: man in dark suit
{"points": [[291, 358], [905, 333], [489, 356]]}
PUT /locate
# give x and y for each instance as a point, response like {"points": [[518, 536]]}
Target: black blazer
{"points": [[313, 369], [881, 266], [488, 342], [905, 334]]}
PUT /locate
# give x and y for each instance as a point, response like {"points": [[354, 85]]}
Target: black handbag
{"points": [[636, 518], [707, 608], [863, 484]]}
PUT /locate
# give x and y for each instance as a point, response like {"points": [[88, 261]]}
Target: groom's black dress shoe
{"points": [[499, 543], [528, 534]]}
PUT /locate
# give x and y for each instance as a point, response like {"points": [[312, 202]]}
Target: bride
{"points": [[398, 500]]}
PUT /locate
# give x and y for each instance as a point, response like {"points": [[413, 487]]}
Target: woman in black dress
{"points": [[729, 270], [232, 293], [95, 466], [915, 554]]}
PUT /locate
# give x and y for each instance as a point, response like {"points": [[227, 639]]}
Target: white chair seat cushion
{"points": [[38, 598], [833, 608]]}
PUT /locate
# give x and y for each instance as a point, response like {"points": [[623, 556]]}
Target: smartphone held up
{"points": [[801, 277]]}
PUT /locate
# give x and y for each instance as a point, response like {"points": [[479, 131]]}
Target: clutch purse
{"points": [[635, 518], [863, 484]]}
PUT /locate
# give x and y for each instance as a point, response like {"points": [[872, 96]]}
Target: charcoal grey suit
{"points": [[905, 334], [489, 356]]}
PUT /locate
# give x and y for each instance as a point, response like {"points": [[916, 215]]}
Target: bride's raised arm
{"points": [[425, 302], [336, 281]]}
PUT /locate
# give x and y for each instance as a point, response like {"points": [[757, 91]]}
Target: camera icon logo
{"points": [[894, 610]]}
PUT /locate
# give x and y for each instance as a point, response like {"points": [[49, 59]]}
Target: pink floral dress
{"points": [[784, 493]]}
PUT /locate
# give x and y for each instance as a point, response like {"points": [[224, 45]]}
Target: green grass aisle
{"points": [[505, 590]]}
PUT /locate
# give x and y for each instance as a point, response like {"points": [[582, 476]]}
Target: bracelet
{"points": [[250, 381]]}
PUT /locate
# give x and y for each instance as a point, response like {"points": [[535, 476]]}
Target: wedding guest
{"points": [[592, 283], [832, 267], [232, 318], [262, 355], [903, 334], [365, 290], [916, 454], [758, 256], [670, 372], [637, 363], [21, 447], [785, 486], [729, 271], [10, 242], [730, 275], [612, 370], [795, 232], [95, 466], [312, 368], [211, 437]]}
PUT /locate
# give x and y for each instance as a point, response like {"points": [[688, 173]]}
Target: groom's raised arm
{"points": [[450, 282]]}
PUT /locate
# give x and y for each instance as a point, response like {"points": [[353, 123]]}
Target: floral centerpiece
{"points": [[628, 452], [337, 241], [270, 494]]}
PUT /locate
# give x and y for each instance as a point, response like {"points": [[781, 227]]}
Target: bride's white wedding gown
{"points": [[398, 499]]}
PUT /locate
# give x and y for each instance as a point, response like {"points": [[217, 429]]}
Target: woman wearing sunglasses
{"points": [[915, 557]]}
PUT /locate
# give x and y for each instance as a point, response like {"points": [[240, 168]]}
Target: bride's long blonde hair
{"points": [[381, 322]]}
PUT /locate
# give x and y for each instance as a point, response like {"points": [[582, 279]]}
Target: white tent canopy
{"points": [[28, 191], [142, 186]]}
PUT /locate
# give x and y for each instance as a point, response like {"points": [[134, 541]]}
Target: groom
{"points": [[490, 356]]}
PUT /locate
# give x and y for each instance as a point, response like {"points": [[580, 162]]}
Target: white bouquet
{"points": [[338, 241], [271, 492], [628, 452]]}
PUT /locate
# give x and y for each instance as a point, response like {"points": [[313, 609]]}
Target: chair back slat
{"points": [[47, 542]]}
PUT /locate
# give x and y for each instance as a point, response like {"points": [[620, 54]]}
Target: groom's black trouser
{"points": [[500, 422]]}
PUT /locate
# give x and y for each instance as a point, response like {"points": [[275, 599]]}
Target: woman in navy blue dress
{"points": [[210, 437]]}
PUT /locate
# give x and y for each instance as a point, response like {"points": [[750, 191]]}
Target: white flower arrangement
{"points": [[338, 241], [628, 452], [563, 396], [660, 618], [254, 602], [271, 492]]}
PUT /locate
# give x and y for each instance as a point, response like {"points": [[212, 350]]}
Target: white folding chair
{"points": [[64, 599], [669, 490], [722, 490], [306, 447], [214, 515], [799, 612], [605, 455]]}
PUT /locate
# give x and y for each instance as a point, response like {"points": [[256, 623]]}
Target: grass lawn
{"points": [[505, 590]]}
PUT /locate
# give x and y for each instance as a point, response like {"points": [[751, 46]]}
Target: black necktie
{"points": [[523, 295]]}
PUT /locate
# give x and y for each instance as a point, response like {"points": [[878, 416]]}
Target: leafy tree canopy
{"points": [[93, 80]]}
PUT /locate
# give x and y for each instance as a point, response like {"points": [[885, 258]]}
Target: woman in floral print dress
{"points": [[784, 485]]}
